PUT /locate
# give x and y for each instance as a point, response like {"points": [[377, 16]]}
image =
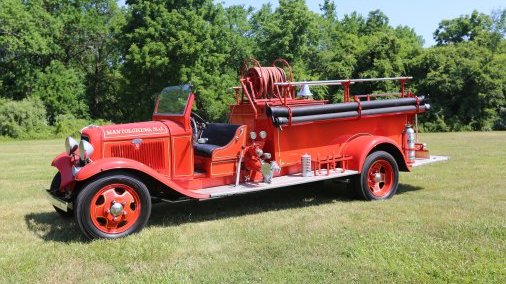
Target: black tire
{"points": [[54, 189], [83, 206], [368, 187]]}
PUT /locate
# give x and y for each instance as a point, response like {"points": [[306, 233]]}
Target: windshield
{"points": [[173, 99]]}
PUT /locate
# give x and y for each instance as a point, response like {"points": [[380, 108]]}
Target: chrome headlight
{"points": [[70, 145], [85, 150], [253, 135]]}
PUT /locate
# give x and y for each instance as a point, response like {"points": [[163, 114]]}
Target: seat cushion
{"points": [[204, 149], [220, 133]]}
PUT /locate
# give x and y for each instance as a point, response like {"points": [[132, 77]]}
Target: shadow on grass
{"points": [[52, 227], [405, 188], [271, 200]]}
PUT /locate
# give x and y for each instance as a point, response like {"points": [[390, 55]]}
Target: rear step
{"points": [[282, 181], [432, 159]]}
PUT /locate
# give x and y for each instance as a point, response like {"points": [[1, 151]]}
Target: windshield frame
{"points": [[186, 88]]}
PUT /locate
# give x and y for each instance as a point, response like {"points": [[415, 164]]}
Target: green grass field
{"points": [[446, 224]]}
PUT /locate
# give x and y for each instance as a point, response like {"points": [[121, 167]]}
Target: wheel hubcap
{"points": [[380, 178], [115, 208]]}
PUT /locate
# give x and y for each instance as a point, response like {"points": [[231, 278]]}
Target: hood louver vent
{"points": [[150, 153]]}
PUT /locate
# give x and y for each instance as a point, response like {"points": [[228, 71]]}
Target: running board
{"points": [[432, 159], [282, 181]]}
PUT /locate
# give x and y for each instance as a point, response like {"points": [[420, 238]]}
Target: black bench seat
{"points": [[218, 135]]}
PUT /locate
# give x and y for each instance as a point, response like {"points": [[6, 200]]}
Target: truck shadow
{"points": [[164, 214], [50, 226]]}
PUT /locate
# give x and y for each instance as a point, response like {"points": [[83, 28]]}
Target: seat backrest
{"points": [[219, 133]]}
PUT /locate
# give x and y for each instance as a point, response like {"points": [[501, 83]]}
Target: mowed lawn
{"points": [[446, 224]]}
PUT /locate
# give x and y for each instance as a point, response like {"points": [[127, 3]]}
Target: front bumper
{"points": [[59, 203]]}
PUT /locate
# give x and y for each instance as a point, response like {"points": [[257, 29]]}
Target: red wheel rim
{"points": [[380, 178], [115, 208]]}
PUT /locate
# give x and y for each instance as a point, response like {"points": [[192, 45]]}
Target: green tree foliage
{"points": [[465, 74], [25, 118], [463, 28], [27, 44], [466, 84], [90, 59], [62, 91], [170, 43], [290, 32], [61, 51]]}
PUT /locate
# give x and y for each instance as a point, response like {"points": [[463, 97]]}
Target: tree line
{"points": [[66, 63]]}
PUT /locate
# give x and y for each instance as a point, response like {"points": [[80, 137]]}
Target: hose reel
{"points": [[260, 81]]}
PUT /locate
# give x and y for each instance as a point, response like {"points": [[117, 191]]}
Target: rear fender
{"points": [[360, 147], [107, 164]]}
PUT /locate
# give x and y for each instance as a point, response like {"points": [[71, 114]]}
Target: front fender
{"points": [[108, 164], [360, 147], [64, 163]]}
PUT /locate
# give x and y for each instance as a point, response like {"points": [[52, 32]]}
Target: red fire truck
{"points": [[277, 136]]}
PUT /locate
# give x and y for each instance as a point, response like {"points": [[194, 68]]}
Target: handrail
{"points": [[340, 82], [250, 99], [369, 96]]}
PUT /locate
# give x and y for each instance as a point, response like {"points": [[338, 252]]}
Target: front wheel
{"points": [[113, 206], [379, 178]]}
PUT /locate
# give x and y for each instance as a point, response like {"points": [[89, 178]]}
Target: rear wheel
{"points": [[113, 206], [379, 178]]}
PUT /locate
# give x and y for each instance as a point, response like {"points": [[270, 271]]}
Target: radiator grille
{"points": [[150, 153]]}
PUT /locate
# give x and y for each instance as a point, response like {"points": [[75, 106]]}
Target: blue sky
{"points": [[424, 16]]}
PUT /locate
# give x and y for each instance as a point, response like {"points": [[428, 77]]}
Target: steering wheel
{"points": [[198, 126]]}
